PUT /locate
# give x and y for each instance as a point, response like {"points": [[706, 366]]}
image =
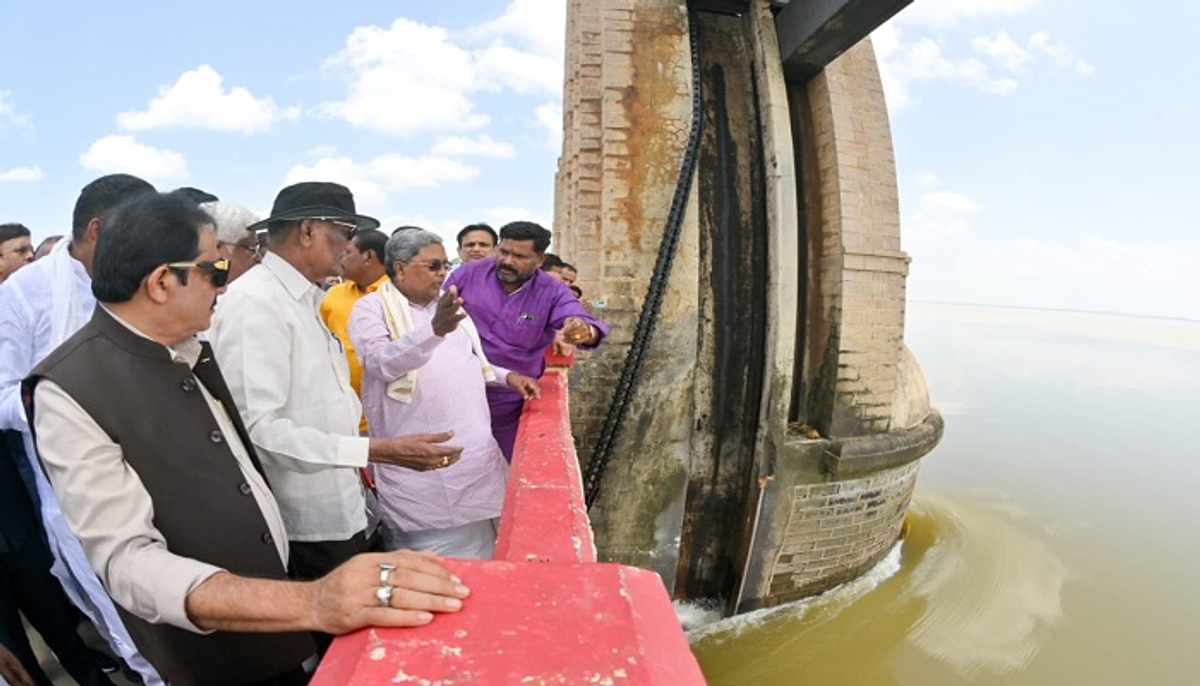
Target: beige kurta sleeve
{"points": [[108, 508]]}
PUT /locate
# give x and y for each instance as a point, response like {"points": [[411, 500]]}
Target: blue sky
{"points": [[1045, 148], [434, 113], [1047, 152]]}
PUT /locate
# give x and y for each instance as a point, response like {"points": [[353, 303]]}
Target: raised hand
{"points": [[449, 312]]}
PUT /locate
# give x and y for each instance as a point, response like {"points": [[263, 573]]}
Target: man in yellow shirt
{"points": [[363, 271]]}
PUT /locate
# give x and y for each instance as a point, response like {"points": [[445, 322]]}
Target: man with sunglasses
{"points": [[291, 381], [165, 488]]}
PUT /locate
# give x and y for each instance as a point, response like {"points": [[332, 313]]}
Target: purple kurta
{"points": [[515, 330]]}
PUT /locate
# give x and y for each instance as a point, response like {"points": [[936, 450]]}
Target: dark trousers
{"points": [[27, 586], [315, 559], [505, 409], [295, 677]]}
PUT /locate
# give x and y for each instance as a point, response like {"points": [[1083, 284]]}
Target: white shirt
{"points": [[27, 303], [54, 295], [113, 514], [289, 377]]}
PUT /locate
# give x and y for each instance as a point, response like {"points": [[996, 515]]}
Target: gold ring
{"points": [[446, 461]]}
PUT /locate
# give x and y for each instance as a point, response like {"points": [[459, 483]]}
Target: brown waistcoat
{"points": [[205, 510]]}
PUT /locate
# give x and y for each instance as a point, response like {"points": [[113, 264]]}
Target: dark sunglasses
{"points": [[217, 270]]}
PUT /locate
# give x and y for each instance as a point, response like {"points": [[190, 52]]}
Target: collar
{"points": [[295, 283], [375, 286], [187, 350]]}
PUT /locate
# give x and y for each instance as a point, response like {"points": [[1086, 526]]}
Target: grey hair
{"points": [[404, 245], [231, 220]]}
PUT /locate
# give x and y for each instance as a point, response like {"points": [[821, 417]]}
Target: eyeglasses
{"points": [[218, 270], [348, 228], [252, 249], [435, 265], [19, 250]]}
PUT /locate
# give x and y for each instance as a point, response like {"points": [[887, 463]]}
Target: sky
{"points": [[437, 114], [1046, 149]]}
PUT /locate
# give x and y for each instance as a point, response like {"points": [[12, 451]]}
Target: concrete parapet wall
{"points": [[542, 612]]}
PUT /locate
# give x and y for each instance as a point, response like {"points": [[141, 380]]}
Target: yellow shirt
{"points": [[335, 310]]}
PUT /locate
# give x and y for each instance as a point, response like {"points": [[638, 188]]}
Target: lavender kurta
{"points": [[449, 395], [515, 329]]}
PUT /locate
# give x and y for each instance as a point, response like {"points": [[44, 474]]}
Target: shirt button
{"points": [[267, 538], [189, 384], [244, 488], [215, 436]]}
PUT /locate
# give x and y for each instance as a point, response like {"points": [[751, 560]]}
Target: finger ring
{"points": [[446, 461], [385, 571], [384, 595]]}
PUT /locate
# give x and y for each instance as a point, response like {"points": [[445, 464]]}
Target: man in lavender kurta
{"points": [[423, 366], [518, 308]]}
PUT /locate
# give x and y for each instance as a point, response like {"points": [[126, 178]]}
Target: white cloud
{"points": [[1059, 53], [405, 79], [125, 154], [371, 181], [549, 116], [501, 66], [928, 179], [199, 100], [944, 13], [8, 112], [1012, 56], [21, 174], [1079, 272], [411, 77], [536, 23], [1001, 47], [940, 215], [901, 63], [484, 146]]}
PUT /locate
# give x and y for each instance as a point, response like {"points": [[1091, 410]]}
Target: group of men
{"points": [[185, 406]]}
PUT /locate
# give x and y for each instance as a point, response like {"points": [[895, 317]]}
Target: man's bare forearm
{"points": [[344, 600]]}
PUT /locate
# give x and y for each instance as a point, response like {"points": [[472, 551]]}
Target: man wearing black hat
{"points": [[290, 380]]}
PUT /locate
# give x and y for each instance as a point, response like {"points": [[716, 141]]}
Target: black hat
{"points": [[312, 200]]}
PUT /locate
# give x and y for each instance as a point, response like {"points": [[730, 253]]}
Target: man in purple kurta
{"points": [[517, 309]]}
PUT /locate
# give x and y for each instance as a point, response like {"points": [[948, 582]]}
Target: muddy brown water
{"points": [[1052, 539]]}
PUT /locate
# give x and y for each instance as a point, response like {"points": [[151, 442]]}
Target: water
{"points": [[1052, 536]]}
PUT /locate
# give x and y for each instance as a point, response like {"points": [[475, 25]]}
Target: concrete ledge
{"points": [[849, 457], [545, 518], [542, 612], [530, 623]]}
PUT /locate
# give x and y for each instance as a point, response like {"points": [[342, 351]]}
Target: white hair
{"points": [[231, 219]]}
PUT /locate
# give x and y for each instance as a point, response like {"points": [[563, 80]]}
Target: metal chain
{"points": [[648, 318]]}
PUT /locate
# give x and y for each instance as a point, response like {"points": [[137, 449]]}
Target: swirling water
{"points": [[1052, 538]]}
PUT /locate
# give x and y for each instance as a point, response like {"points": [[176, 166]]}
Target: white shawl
{"points": [[399, 322]]}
